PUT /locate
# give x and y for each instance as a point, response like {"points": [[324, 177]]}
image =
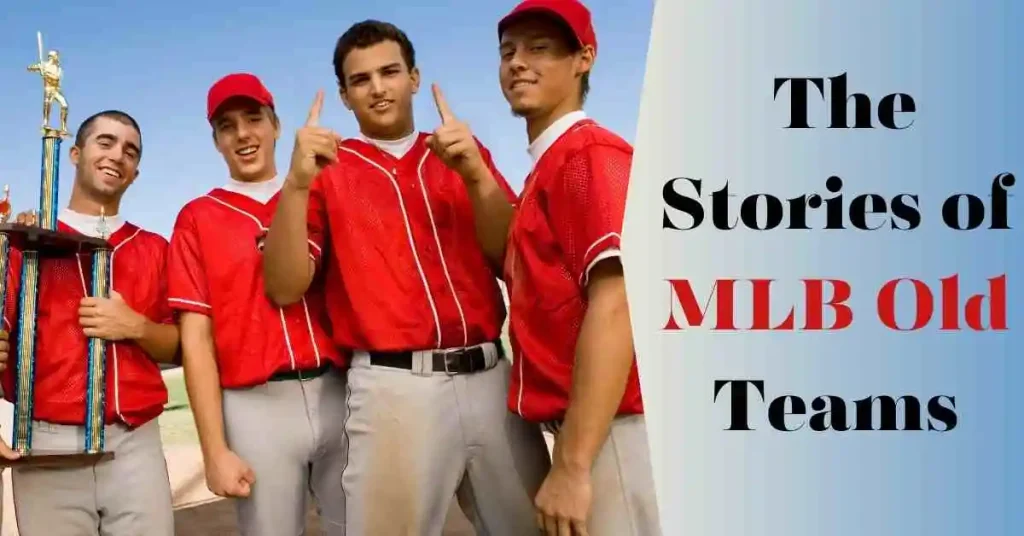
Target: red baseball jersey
{"points": [[215, 268], [404, 269], [568, 217], [135, 391]]}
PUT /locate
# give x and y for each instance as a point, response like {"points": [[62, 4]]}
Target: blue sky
{"points": [[156, 61]]}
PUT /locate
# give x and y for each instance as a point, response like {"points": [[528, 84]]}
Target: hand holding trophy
{"points": [[38, 238]]}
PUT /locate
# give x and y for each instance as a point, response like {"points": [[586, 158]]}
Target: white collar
{"points": [[552, 133], [260, 191], [89, 225], [396, 148]]}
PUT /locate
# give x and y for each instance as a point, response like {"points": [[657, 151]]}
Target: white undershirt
{"points": [[551, 134], [396, 148], [260, 191], [89, 225]]}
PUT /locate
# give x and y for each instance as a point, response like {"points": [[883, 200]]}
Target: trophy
{"points": [[38, 243]]}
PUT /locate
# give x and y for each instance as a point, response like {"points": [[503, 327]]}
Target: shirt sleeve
{"points": [[187, 287], [316, 217], [586, 204], [160, 310]]}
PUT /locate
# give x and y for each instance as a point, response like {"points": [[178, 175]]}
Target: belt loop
{"points": [[421, 366], [491, 354]]}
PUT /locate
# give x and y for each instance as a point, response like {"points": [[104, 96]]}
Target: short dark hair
{"points": [[365, 34], [574, 46], [85, 130]]}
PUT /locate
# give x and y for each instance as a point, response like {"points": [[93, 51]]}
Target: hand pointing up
{"points": [[453, 142], [315, 147]]}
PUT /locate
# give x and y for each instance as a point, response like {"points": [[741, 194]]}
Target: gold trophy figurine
{"points": [[51, 73], [5, 205]]}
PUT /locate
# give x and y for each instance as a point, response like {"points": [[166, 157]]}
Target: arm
{"points": [[300, 217], [604, 359], [147, 321], [160, 341], [287, 272], [453, 142], [585, 215], [114, 320], [586, 218], [226, 474], [493, 206], [202, 382]]}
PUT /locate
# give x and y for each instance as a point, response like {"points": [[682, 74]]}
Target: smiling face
{"points": [[542, 66], [245, 133], [107, 159], [378, 87]]}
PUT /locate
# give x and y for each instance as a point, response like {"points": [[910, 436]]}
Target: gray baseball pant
{"points": [[128, 495], [419, 437], [291, 434], [624, 502]]}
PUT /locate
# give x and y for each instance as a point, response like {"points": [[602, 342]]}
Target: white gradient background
{"points": [[707, 111]]}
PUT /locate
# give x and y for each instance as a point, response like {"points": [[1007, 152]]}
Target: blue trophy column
{"points": [[51, 176], [23, 410], [95, 403], [28, 295]]}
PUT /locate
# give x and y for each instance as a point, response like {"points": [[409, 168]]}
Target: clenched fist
{"points": [[227, 475], [315, 148]]}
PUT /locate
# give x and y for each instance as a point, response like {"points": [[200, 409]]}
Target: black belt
{"points": [[453, 361], [305, 374]]}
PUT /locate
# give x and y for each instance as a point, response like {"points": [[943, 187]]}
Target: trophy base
{"points": [[57, 459], [57, 243]]}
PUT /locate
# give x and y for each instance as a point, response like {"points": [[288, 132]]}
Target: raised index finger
{"points": [[313, 119], [442, 105]]}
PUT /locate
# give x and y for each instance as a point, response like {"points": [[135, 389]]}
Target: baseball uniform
{"points": [[130, 494], [570, 217], [282, 379], [410, 291]]}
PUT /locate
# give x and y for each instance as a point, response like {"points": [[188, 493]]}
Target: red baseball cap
{"points": [[572, 12], [236, 85]]}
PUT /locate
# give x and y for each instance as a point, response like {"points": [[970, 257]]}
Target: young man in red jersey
{"points": [[575, 369], [129, 494], [411, 291], [265, 382]]}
